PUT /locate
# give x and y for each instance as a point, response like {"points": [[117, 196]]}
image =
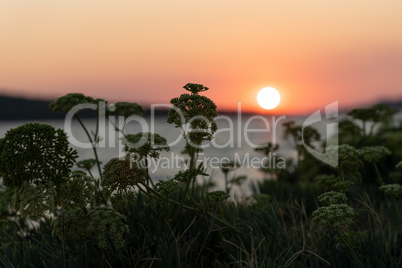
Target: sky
{"points": [[313, 52]]}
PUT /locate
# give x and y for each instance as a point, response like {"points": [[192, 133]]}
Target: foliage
{"points": [[145, 144]]}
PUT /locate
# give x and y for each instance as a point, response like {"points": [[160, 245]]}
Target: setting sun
{"points": [[268, 98]]}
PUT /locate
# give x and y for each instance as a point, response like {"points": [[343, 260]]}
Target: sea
{"points": [[235, 140]]}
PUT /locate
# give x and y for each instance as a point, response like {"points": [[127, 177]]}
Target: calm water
{"points": [[235, 140]]}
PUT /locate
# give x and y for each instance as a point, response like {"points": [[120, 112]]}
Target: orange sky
{"points": [[313, 52]]}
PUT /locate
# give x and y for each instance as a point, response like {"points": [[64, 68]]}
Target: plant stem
{"points": [[93, 145], [352, 252], [379, 179], [192, 153]]}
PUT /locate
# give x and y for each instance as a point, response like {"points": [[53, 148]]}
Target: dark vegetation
{"points": [[310, 215], [13, 108]]}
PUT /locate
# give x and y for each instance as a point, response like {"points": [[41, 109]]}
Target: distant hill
{"points": [[394, 104], [12, 108], [23, 109]]}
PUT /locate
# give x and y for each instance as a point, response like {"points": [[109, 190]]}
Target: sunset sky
{"points": [[313, 52]]}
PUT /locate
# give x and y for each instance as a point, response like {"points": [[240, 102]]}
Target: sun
{"points": [[268, 98]]}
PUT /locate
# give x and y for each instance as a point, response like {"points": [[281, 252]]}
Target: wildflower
{"points": [[126, 109], [374, 153], [77, 191], [67, 102], [145, 144], [342, 186], [394, 190], [348, 161], [195, 88], [195, 110], [332, 197], [37, 153], [107, 223], [335, 215], [121, 175], [72, 224]]}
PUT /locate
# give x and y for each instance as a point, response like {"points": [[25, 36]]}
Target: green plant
{"points": [[124, 220]]}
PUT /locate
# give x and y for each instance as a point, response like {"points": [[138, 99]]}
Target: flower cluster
{"points": [[72, 224], [105, 223], [67, 102], [37, 153], [394, 190], [347, 152], [332, 197], [335, 215], [349, 161], [374, 153], [196, 111], [145, 144], [121, 175], [126, 109], [76, 192], [378, 113], [195, 88], [342, 186]]}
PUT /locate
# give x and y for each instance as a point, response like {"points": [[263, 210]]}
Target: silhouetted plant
{"points": [[87, 165], [142, 146], [373, 154], [380, 113], [195, 115], [126, 109], [66, 103], [121, 176], [226, 168], [301, 137], [123, 221], [35, 153]]}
